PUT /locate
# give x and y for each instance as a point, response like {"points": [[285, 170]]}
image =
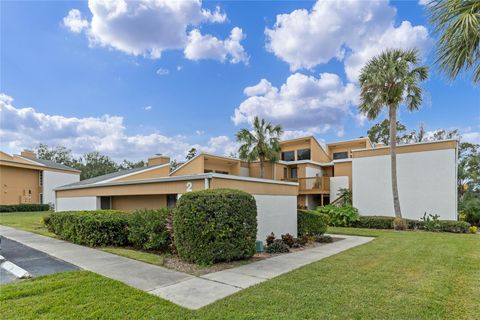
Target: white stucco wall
{"points": [[77, 203], [337, 183], [52, 180], [426, 183], [277, 214]]}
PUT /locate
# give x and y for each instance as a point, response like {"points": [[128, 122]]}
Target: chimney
{"points": [[158, 159], [28, 154]]}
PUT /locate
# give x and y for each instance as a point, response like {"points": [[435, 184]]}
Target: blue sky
{"points": [[131, 81]]}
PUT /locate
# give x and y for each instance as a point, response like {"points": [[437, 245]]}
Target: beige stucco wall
{"points": [[253, 187], [150, 174], [17, 183], [344, 169], [131, 203]]}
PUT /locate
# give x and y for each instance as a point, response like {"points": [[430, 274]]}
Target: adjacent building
{"points": [[308, 175], [26, 179]]}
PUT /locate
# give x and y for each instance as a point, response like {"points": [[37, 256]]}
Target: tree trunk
{"points": [[262, 167], [393, 159]]}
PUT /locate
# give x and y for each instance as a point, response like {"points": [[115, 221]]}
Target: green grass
{"points": [[28, 221], [147, 257], [399, 275]]}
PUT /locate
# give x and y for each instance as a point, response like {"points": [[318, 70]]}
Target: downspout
{"points": [[274, 171], [207, 183]]}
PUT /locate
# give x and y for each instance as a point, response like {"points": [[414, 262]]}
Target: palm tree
{"points": [[388, 80], [457, 22], [262, 143]]}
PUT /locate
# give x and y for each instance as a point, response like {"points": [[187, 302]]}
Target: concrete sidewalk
{"points": [[180, 288]]}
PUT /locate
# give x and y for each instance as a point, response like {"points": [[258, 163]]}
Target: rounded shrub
{"points": [[148, 229], [215, 225], [91, 228], [277, 246], [311, 223]]}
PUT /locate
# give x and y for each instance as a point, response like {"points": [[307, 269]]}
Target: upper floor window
{"points": [[40, 179], [294, 173], [340, 155], [288, 156], [303, 154], [285, 173]]}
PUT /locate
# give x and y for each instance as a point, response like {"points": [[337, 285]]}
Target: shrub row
{"points": [[215, 225], [144, 229], [344, 216], [26, 207], [311, 223], [382, 222]]}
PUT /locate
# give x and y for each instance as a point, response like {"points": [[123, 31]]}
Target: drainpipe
{"points": [[274, 171], [207, 183]]}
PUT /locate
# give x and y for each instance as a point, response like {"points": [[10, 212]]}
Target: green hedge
{"points": [[382, 222], [91, 228], [26, 207], [147, 229], [311, 223], [215, 225]]}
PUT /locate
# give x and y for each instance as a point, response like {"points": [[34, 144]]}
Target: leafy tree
{"points": [[191, 154], [57, 154], [174, 165], [126, 165], [262, 143], [94, 164], [380, 132], [468, 169], [387, 81], [457, 22]]}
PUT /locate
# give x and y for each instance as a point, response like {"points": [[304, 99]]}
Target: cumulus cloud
{"points": [[149, 27], [302, 103], [349, 31], [472, 137], [26, 128], [223, 145], [209, 47], [75, 22]]}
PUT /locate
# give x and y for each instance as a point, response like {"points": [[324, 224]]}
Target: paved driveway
{"points": [[35, 262]]}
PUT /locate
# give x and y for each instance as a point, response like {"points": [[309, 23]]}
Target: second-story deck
{"points": [[312, 185]]}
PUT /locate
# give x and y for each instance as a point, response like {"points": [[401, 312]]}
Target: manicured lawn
{"points": [[137, 255], [28, 221], [399, 275]]}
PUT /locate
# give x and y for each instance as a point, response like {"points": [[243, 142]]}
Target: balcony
{"points": [[314, 185]]}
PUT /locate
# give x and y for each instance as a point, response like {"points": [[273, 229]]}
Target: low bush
{"points": [[400, 223], [278, 246], [470, 208], [215, 225], [148, 229], [311, 223], [454, 226], [91, 228], [473, 229], [374, 222], [288, 239], [324, 239], [270, 239], [344, 216], [26, 207]]}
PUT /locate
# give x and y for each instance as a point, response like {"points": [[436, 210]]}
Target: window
{"points": [[221, 172], [288, 156], [303, 154], [285, 173], [340, 155], [207, 171], [105, 203], [293, 173], [171, 200], [40, 179]]}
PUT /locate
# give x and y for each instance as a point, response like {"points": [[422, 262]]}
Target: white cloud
{"points": [[26, 128], [303, 103], [162, 72], [148, 27], [74, 21], [199, 132], [147, 108], [350, 31], [223, 145], [472, 137], [209, 47]]}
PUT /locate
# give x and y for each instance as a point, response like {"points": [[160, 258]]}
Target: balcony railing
{"points": [[314, 184]]}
